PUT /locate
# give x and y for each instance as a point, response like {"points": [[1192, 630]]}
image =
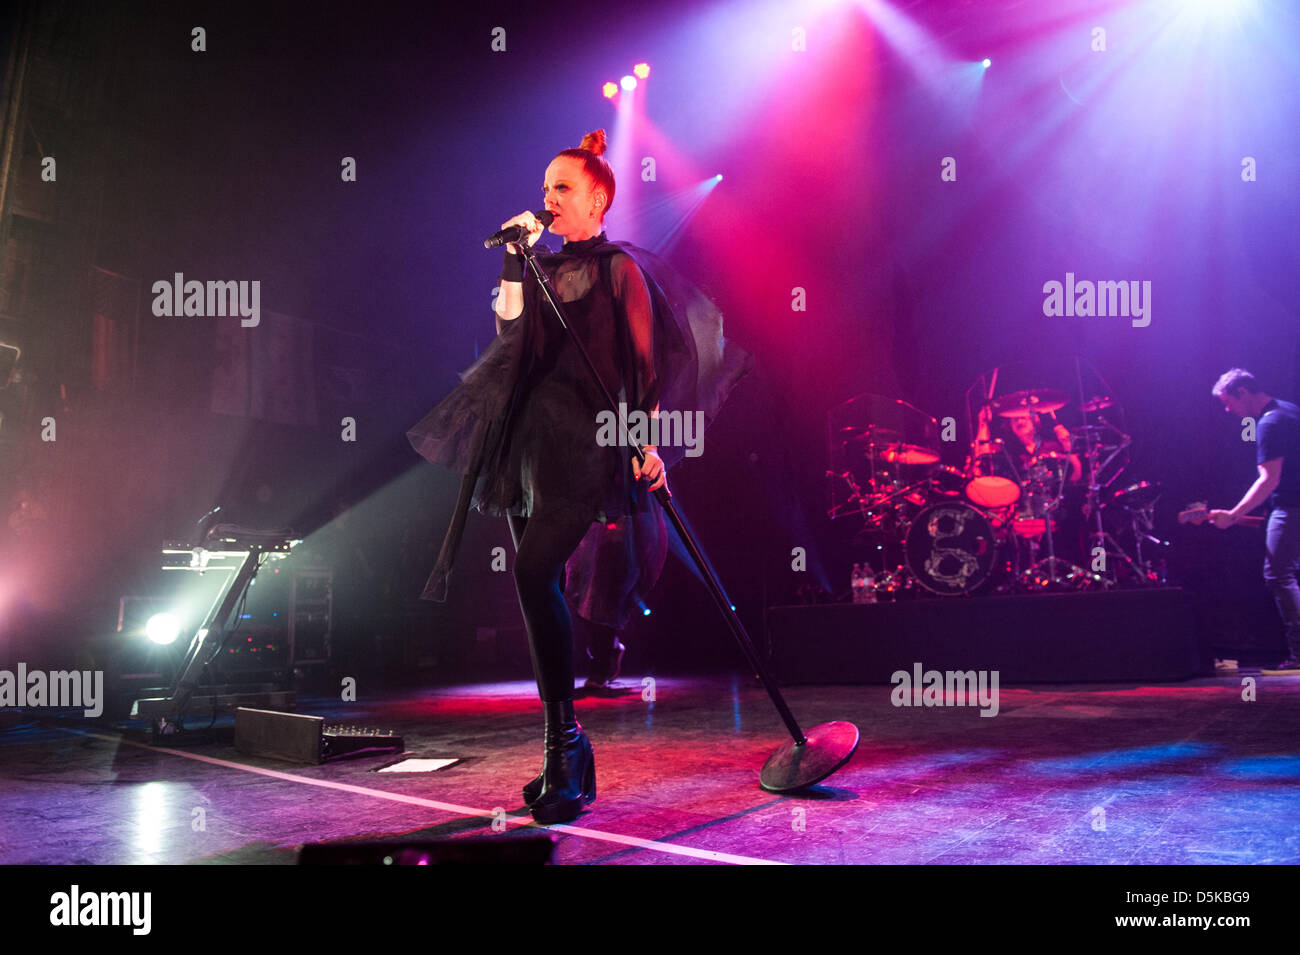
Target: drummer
{"points": [[1028, 428]]}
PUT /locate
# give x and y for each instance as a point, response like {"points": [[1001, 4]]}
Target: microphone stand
{"points": [[809, 757]]}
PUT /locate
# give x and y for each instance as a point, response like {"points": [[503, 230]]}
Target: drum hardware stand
{"points": [[1106, 541], [1054, 496], [1141, 520], [1074, 572], [1092, 503], [890, 498], [807, 758], [865, 504], [1011, 582], [855, 495]]}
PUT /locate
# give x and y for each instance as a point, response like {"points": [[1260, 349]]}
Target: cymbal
{"points": [[910, 454], [1138, 495], [871, 434], [1097, 403], [1031, 401]]}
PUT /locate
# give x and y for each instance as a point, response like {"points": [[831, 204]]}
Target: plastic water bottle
{"points": [[868, 585]]}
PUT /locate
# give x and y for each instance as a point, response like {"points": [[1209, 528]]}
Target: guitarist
{"points": [[1277, 434]]}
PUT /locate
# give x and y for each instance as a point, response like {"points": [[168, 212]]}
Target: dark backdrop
{"points": [[1123, 164]]}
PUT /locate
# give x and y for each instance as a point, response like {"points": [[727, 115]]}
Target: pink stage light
{"points": [[609, 89], [641, 70], [628, 82]]}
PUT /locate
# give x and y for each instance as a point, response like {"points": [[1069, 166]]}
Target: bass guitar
{"points": [[1199, 513]]}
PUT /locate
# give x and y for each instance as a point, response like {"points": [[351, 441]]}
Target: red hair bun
{"points": [[591, 155], [594, 142]]}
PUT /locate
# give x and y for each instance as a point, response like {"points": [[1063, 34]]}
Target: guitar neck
{"points": [[1199, 513]]}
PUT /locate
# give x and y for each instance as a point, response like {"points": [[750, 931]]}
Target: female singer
{"points": [[522, 428]]}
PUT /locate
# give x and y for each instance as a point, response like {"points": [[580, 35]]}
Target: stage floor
{"points": [[1105, 774]]}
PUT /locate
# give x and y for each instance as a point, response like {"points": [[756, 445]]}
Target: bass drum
{"points": [[950, 549]]}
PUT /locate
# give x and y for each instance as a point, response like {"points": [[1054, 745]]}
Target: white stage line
{"points": [[629, 841]]}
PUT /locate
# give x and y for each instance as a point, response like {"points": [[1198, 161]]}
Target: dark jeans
{"points": [[542, 546], [1281, 563]]}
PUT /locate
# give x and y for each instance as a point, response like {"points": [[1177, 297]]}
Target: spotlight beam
{"points": [[663, 221]]}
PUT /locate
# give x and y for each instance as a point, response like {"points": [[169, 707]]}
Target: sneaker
{"points": [[608, 689], [604, 672], [1287, 667]]}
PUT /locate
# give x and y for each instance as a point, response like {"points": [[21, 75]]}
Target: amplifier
{"points": [[299, 738]]}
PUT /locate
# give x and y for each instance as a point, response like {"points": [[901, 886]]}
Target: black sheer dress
{"points": [[522, 426]]}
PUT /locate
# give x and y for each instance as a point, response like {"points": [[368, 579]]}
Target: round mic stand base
{"points": [[794, 766]]}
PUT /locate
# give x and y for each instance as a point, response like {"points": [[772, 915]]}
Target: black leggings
{"points": [[542, 546]]}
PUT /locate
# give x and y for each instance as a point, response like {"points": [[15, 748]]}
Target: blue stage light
{"points": [[987, 63]]}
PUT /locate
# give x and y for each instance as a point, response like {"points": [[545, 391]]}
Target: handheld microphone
{"points": [[516, 233]]}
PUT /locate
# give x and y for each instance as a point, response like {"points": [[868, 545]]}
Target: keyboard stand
{"points": [[224, 542]]}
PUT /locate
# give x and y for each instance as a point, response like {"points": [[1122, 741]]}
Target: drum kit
{"points": [[995, 524]]}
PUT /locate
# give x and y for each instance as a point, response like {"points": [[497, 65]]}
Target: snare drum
{"points": [[994, 480]]}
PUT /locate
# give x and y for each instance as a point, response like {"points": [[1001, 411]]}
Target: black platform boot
{"points": [[600, 683], [569, 772], [533, 790]]}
